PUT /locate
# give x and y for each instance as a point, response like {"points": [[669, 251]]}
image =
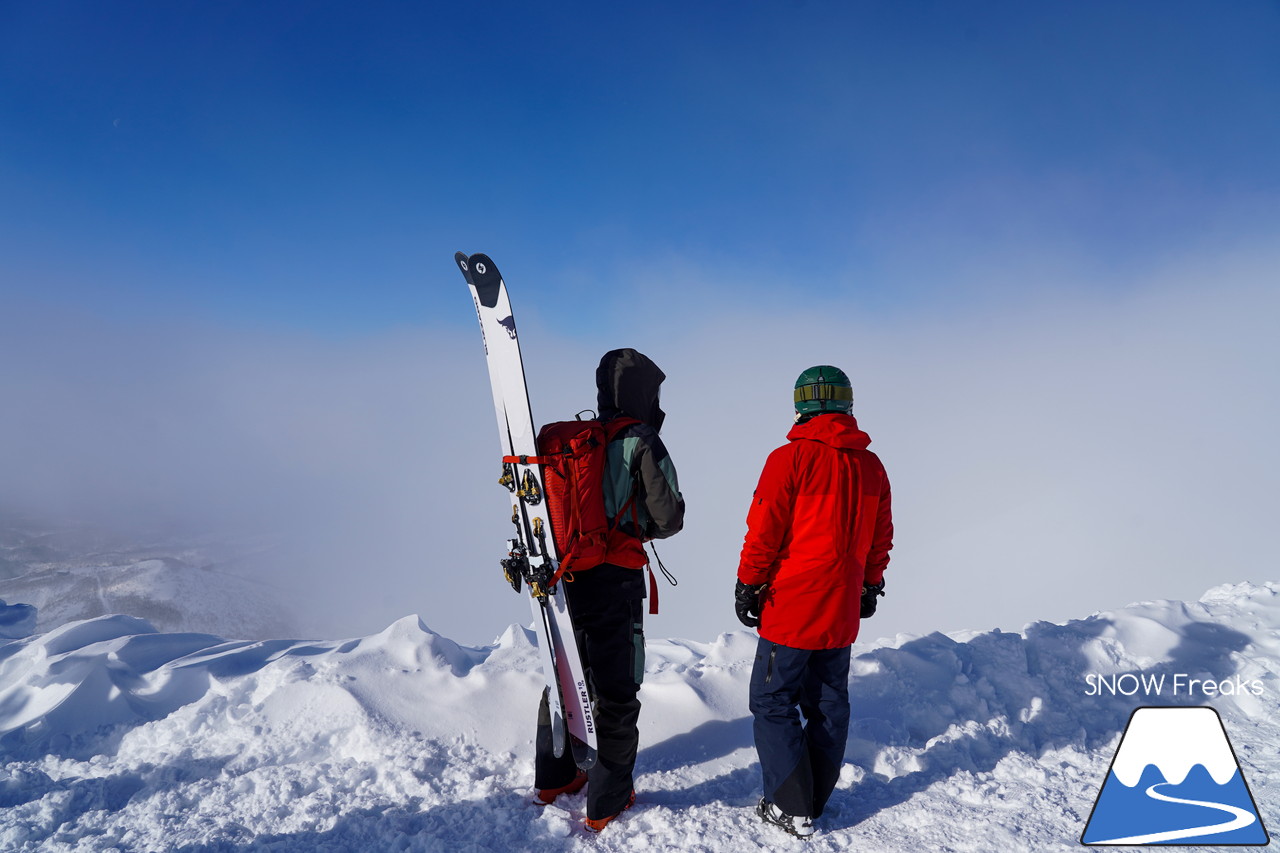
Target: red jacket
{"points": [[819, 527]]}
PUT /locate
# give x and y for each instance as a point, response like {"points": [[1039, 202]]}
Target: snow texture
{"points": [[117, 737]]}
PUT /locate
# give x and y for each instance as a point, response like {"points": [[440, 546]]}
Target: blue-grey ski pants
{"points": [[800, 759]]}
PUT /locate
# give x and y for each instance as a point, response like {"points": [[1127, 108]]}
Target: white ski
{"points": [[532, 558]]}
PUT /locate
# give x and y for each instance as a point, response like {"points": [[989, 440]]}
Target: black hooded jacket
{"points": [[627, 383]]}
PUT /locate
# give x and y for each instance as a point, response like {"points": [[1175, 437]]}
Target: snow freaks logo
{"points": [[1175, 780]]}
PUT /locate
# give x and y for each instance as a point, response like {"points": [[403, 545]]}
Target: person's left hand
{"points": [[746, 603], [870, 596]]}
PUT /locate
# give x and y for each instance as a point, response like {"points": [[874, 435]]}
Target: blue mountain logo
{"points": [[1175, 780]]}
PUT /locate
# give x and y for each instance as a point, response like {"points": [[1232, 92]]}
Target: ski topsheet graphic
{"points": [[531, 559], [1175, 780]]}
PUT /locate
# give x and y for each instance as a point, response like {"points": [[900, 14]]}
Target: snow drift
{"points": [[115, 736]]}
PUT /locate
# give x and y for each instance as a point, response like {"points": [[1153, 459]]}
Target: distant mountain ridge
{"points": [[75, 572]]}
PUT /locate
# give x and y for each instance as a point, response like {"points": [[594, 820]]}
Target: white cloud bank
{"points": [[1050, 453]]}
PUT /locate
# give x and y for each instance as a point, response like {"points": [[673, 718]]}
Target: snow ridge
{"points": [[116, 736]]}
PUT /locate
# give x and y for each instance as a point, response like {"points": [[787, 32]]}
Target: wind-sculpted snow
{"points": [[118, 737]]}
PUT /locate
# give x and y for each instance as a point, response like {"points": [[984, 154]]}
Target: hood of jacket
{"points": [[627, 383], [835, 430]]}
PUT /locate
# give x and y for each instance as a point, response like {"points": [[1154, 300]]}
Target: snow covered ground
{"points": [[116, 737], [171, 594], [72, 572]]}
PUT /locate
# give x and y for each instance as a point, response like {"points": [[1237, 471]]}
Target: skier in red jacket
{"points": [[818, 537]]}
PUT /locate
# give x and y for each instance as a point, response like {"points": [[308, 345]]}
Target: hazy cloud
{"points": [[1051, 454]]}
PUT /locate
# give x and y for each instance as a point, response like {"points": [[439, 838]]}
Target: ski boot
{"points": [[800, 827], [598, 824], [547, 796]]}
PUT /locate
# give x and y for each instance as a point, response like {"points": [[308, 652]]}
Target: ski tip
{"points": [[464, 264], [483, 267], [485, 277]]}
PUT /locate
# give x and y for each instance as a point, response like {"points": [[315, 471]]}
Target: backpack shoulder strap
{"points": [[617, 425]]}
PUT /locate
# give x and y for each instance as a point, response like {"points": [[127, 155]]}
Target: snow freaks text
{"points": [[1177, 684]]}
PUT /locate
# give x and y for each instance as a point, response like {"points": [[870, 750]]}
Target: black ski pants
{"points": [[609, 623], [800, 760]]}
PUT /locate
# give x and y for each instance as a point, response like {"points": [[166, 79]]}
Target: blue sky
{"points": [[316, 165], [1042, 238]]}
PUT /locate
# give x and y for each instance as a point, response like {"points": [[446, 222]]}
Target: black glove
{"points": [[746, 603], [869, 595]]}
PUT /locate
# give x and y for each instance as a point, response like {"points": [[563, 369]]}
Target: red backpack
{"points": [[574, 459]]}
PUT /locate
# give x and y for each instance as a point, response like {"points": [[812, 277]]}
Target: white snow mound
{"points": [[117, 737]]}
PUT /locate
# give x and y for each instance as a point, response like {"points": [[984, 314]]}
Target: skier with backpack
{"points": [[818, 537], [619, 463]]}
